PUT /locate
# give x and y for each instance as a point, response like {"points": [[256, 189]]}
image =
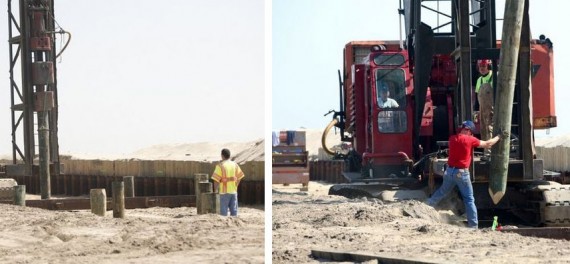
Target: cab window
{"points": [[391, 99], [392, 121], [390, 88]]}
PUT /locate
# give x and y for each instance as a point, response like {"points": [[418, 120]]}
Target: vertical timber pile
{"points": [[36, 91], [98, 201], [118, 199], [505, 94], [199, 178], [209, 201], [20, 195]]}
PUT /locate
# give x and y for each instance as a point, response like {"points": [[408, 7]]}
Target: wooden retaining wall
{"points": [[327, 170], [555, 158], [152, 178]]}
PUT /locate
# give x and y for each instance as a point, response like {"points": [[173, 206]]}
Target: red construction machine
{"points": [[430, 76]]}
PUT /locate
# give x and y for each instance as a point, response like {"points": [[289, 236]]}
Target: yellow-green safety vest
{"points": [[484, 79], [227, 174]]}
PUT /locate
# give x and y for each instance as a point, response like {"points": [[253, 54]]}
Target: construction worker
{"points": [[457, 173], [227, 176], [484, 91]]}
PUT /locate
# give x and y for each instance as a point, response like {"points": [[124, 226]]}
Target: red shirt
{"points": [[460, 148]]}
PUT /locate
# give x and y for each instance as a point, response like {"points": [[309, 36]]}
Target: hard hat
{"points": [[468, 124], [484, 62]]}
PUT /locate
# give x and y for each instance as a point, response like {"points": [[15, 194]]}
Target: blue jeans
{"points": [[228, 201], [460, 178]]}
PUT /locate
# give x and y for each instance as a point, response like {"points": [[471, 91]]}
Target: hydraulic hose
{"points": [[325, 133], [66, 43]]}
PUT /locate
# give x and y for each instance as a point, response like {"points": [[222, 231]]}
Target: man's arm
{"points": [[489, 143]]}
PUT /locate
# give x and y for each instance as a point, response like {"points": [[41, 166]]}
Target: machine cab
{"points": [[380, 104]]}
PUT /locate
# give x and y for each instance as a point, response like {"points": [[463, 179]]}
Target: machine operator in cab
{"points": [[384, 100]]}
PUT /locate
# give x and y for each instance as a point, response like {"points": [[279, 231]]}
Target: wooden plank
{"points": [[108, 189], [66, 184], [260, 191], [169, 168], [129, 186], [120, 167], [167, 186], [179, 187], [179, 169], [253, 170], [139, 186], [362, 257], [53, 184], [36, 179], [160, 168], [157, 186], [133, 168], [130, 203], [146, 186], [69, 166], [73, 180], [545, 232], [82, 184]]}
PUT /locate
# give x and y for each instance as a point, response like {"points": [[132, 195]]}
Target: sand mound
{"points": [[201, 151], [554, 141]]}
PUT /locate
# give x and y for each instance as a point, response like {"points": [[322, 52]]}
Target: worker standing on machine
{"points": [[457, 173], [484, 91]]}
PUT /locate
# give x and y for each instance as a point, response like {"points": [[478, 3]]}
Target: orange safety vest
{"points": [[227, 174]]}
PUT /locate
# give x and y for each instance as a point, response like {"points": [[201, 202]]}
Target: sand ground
{"points": [[154, 235], [303, 221]]}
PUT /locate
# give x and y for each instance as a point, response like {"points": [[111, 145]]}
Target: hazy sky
{"points": [[309, 36], [141, 72]]}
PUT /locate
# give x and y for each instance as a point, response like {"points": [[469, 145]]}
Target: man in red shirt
{"points": [[457, 173]]}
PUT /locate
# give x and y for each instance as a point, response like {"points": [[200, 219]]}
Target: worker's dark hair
{"points": [[226, 153]]}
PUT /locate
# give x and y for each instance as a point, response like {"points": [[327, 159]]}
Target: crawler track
{"points": [[554, 204]]}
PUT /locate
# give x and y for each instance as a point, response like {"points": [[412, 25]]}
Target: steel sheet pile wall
{"points": [[152, 178], [327, 170]]}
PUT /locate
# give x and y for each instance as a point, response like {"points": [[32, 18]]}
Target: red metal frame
{"points": [[362, 110]]}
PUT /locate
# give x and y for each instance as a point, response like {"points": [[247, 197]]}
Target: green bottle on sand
{"points": [[495, 223]]}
